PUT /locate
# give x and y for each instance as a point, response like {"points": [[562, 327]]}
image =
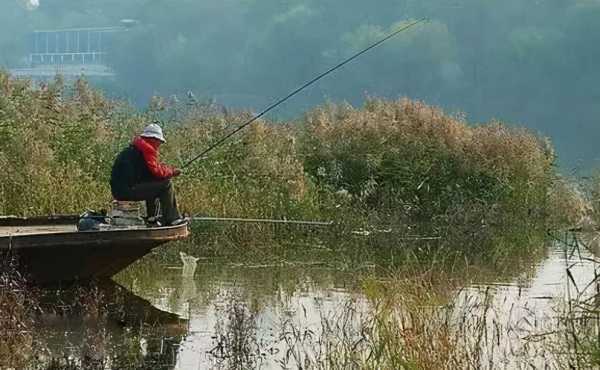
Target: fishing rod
{"points": [[293, 93], [359, 232], [263, 221]]}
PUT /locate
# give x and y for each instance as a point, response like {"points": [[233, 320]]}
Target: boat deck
{"points": [[36, 229], [51, 250]]}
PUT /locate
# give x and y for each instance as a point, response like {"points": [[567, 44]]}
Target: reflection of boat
{"points": [[102, 321], [120, 306], [50, 249]]}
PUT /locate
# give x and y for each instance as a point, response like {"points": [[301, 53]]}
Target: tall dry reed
{"points": [[395, 164]]}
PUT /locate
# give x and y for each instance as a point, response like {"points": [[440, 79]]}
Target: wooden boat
{"points": [[50, 249]]}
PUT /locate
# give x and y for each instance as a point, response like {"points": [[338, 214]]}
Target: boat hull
{"points": [[67, 256]]}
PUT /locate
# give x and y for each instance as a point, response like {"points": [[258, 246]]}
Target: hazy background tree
{"points": [[530, 62]]}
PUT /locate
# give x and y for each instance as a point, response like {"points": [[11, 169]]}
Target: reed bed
{"points": [[401, 161]]}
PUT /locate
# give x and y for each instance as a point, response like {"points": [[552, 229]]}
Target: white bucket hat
{"points": [[154, 131]]}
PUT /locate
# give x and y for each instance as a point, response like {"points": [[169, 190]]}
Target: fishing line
{"points": [[307, 84]]}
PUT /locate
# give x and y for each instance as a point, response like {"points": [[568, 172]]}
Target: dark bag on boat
{"points": [[92, 220]]}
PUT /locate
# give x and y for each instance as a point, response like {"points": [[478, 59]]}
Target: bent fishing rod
{"points": [[299, 89]]}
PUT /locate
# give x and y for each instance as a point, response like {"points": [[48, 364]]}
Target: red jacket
{"points": [[150, 153]]}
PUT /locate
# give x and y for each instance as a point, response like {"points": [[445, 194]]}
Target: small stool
{"points": [[126, 213]]}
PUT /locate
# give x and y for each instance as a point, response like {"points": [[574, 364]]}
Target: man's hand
{"points": [[176, 172]]}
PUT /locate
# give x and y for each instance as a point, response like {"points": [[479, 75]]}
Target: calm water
{"points": [[258, 310]]}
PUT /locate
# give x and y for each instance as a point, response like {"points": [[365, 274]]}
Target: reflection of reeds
{"points": [[403, 335], [95, 331], [576, 338], [425, 321], [236, 346], [17, 306]]}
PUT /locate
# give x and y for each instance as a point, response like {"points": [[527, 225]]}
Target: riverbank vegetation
{"points": [[407, 185], [399, 165]]}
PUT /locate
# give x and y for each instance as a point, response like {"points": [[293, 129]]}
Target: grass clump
{"points": [[406, 160], [593, 191], [53, 138], [390, 165]]}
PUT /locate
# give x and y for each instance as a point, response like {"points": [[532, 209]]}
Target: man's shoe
{"points": [[153, 222], [178, 221]]}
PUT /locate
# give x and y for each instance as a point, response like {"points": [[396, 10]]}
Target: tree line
{"points": [[532, 62]]}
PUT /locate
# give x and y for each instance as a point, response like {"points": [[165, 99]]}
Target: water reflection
{"points": [[523, 317], [261, 308], [225, 315], [102, 325], [239, 314]]}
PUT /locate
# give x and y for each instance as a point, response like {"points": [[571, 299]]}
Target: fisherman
{"points": [[138, 175]]}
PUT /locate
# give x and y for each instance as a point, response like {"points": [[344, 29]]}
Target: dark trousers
{"points": [[151, 192]]}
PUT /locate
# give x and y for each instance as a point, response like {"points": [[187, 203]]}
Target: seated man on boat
{"points": [[137, 175]]}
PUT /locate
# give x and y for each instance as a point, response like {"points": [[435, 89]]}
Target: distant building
{"points": [[71, 53]]}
